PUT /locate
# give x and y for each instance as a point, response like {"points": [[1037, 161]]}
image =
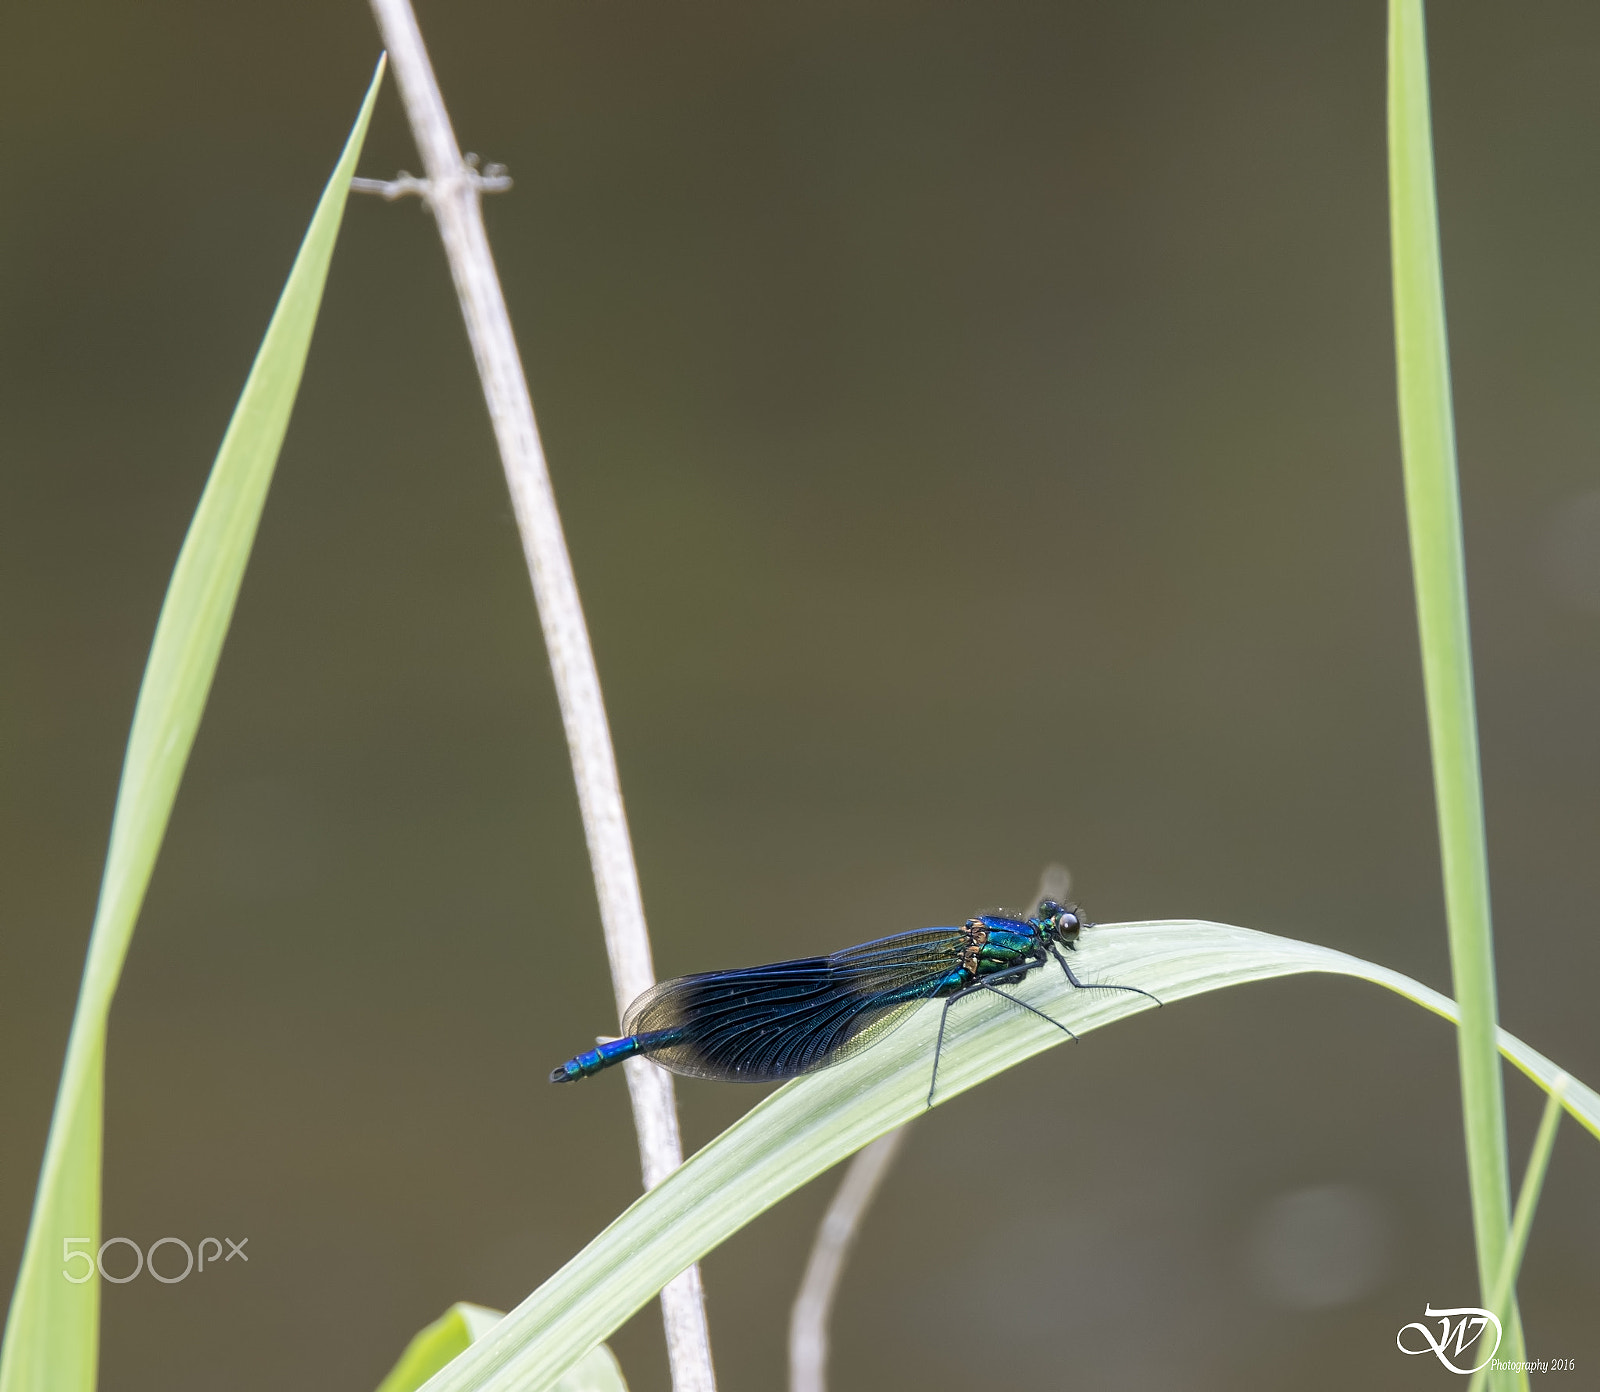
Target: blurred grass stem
{"points": [[1433, 511], [1527, 1203], [454, 195], [808, 1323]]}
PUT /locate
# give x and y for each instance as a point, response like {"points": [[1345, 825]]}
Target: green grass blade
{"points": [[52, 1332], [1544, 1142], [460, 1326], [431, 1348], [813, 1123], [1433, 510]]}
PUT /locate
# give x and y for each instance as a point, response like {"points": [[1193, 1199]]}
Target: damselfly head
{"points": [[1058, 921]]}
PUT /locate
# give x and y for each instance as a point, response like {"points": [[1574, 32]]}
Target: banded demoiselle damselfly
{"points": [[765, 1024]]}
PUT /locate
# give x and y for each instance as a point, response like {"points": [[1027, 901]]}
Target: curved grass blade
{"points": [[815, 1122], [52, 1332]]}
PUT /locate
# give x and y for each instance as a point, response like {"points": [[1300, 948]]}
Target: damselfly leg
{"points": [[1096, 985], [988, 984]]}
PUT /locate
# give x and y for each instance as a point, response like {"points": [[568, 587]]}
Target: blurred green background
{"points": [[974, 429]]}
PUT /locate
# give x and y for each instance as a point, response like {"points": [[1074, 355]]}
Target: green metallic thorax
{"points": [[994, 945], [1005, 947]]}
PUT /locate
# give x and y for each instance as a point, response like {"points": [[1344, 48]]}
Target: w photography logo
{"points": [[1458, 1331]]}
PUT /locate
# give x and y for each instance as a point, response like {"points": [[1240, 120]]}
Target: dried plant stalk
{"points": [[808, 1324], [453, 189]]}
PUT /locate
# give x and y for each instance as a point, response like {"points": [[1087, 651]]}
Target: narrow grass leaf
{"points": [[52, 1332], [813, 1123], [1438, 565], [1527, 1203]]}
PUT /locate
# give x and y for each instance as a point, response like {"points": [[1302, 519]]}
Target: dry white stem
{"points": [[491, 179], [453, 189], [405, 186], [808, 1324]]}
